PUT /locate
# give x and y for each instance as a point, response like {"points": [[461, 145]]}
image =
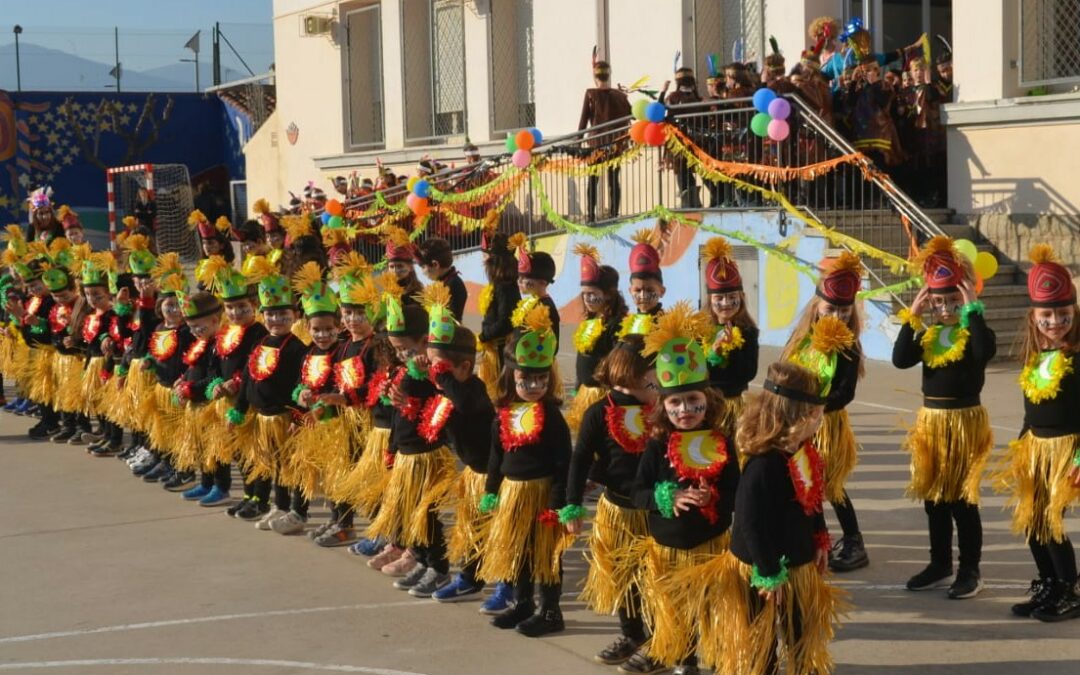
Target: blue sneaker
{"points": [[458, 589], [500, 601], [24, 407], [196, 493], [367, 547], [12, 405], [215, 497]]}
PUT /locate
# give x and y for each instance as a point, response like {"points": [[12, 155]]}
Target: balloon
{"points": [[522, 158], [334, 207], [537, 136], [762, 98], [779, 109], [511, 144], [759, 124], [967, 249], [778, 130], [986, 265], [422, 188], [325, 217], [335, 222], [654, 134], [978, 284], [637, 130], [411, 183], [655, 111], [412, 200], [638, 110], [524, 140], [422, 208]]}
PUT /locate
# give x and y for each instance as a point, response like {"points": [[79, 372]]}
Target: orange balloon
{"points": [[637, 130], [421, 208], [525, 140], [334, 207], [978, 284]]}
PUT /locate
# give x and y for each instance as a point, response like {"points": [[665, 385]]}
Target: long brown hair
{"points": [[742, 317], [1029, 341], [768, 418], [806, 322], [662, 427], [624, 366]]}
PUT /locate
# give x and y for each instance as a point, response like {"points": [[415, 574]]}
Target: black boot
{"points": [[1041, 592], [549, 619], [521, 611], [1064, 606], [849, 555]]}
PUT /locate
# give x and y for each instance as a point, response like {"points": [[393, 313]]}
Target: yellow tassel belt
{"points": [[840, 452], [949, 449], [466, 537], [418, 485], [614, 563], [1037, 473], [515, 539]]}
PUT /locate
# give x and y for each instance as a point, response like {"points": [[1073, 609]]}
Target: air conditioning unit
{"points": [[313, 25]]}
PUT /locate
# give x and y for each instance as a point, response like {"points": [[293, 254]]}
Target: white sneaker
{"points": [[141, 454], [272, 515], [291, 523]]}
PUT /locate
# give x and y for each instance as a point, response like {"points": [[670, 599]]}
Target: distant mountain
{"points": [[45, 69]]}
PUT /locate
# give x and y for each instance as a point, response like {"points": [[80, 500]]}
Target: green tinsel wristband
{"points": [[773, 582], [1076, 458], [414, 371], [121, 371], [122, 310], [234, 417], [209, 391], [297, 391], [664, 494], [967, 310], [570, 513], [488, 503]]}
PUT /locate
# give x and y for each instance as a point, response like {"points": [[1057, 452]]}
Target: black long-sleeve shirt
{"points": [[496, 323], [585, 365], [734, 377], [94, 329], [273, 394], [405, 425], [35, 322], [548, 457], [769, 522], [354, 393], [230, 358], [553, 312], [459, 295], [846, 378], [167, 348], [199, 361], [961, 381], [599, 457], [688, 528], [1059, 416], [469, 427]]}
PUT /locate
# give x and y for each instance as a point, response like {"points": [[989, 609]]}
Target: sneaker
{"points": [[129, 451], [848, 554], [77, 439], [336, 535], [387, 555], [89, 437], [458, 589], [412, 578], [640, 663], [144, 465], [196, 493], [62, 436], [617, 652], [96, 444], [544, 622], [105, 450], [216, 497], [968, 584], [235, 508], [254, 509], [268, 518], [1042, 591], [179, 481], [140, 455], [686, 670], [312, 534], [368, 547], [400, 567], [500, 601], [513, 617], [1066, 606], [291, 523], [160, 471], [24, 407], [12, 405], [39, 432], [429, 583], [934, 576]]}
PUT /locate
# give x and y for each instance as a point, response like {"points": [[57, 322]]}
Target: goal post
{"points": [[170, 187]]}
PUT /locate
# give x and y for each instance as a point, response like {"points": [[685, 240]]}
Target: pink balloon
{"points": [[778, 130], [411, 200], [522, 158]]}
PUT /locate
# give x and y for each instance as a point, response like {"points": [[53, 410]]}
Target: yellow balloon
{"points": [[967, 248], [986, 264], [411, 183]]}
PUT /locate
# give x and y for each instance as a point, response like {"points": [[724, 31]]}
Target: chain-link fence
{"points": [[1049, 42], [512, 65], [731, 29]]}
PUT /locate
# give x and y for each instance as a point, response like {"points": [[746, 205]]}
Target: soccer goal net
{"points": [[170, 187]]}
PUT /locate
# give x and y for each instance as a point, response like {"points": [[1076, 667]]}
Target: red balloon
{"points": [[525, 140], [334, 207], [654, 134], [637, 130]]}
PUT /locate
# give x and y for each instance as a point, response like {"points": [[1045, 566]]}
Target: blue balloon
{"points": [[422, 189], [325, 217], [762, 98], [539, 137], [655, 112]]}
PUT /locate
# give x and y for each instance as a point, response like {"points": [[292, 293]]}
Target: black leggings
{"points": [[290, 499], [525, 587], [614, 193], [791, 626], [969, 534], [1055, 559], [434, 553], [631, 624], [845, 513], [221, 476], [342, 514]]}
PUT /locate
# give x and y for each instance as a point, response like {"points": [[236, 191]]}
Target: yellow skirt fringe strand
{"points": [[418, 485], [92, 386], [836, 444], [949, 449], [515, 537], [270, 437], [614, 564], [582, 401], [39, 380], [319, 454], [466, 535], [363, 487], [357, 423], [67, 378], [164, 419], [1037, 473], [487, 367]]}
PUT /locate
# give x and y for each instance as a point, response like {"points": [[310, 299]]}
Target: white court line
{"points": [[205, 619], [267, 663], [855, 586]]}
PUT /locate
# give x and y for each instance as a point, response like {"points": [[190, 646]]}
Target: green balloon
{"points": [[760, 124], [638, 110], [511, 144], [335, 222]]}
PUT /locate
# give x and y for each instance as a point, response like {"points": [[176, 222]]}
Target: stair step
{"points": [[1005, 292], [996, 314]]}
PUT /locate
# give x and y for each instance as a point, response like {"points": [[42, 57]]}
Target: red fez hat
{"points": [[1049, 282]]}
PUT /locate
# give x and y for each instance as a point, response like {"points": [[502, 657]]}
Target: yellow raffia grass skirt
{"points": [[319, 454], [225, 443], [840, 452], [681, 590], [487, 367], [13, 354], [755, 626], [583, 399], [189, 438], [112, 401], [729, 416], [357, 423], [949, 449], [38, 379], [466, 537], [67, 377], [515, 538], [138, 386], [614, 563], [364, 485], [1037, 473], [163, 419], [270, 438], [92, 387], [418, 485]]}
